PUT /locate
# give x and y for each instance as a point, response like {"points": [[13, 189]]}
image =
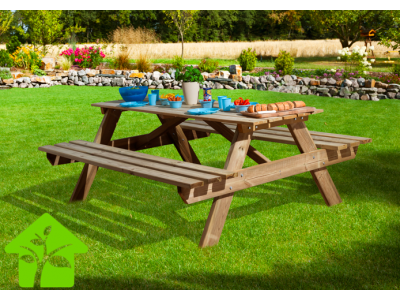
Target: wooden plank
{"points": [[220, 207], [265, 173], [170, 123], [321, 176], [151, 164], [227, 133], [167, 161], [103, 136], [124, 167]]}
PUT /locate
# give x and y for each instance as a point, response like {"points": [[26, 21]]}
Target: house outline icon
{"points": [[46, 254]]}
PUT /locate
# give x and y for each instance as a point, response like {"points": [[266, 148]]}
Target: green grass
{"points": [[299, 63], [141, 235]]}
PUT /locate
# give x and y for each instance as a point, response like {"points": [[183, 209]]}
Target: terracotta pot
{"points": [[191, 92]]}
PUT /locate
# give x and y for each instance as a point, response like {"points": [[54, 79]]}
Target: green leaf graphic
{"points": [[37, 242], [59, 262], [28, 259], [47, 230]]}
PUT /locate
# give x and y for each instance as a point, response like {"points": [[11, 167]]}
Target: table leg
{"points": [[220, 207], [103, 136], [321, 176], [181, 142]]}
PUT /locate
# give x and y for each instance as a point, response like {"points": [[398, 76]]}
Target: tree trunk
{"points": [[182, 43], [38, 274]]}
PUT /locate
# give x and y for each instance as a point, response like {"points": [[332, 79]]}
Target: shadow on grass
{"points": [[125, 211], [366, 266]]}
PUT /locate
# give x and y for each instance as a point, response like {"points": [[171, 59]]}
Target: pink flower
{"points": [[76, 59]]}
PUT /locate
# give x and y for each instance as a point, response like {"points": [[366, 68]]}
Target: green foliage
{"points": [[13, 44], [247, 59], [178, 63], [5, 59], [5, 74], [396, 69], [39, 72], [6, 17], [284, 63], [143, 63], [191, 75], [208, 65]]}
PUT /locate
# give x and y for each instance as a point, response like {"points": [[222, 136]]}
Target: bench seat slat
{"points": [[124, 167], [225, 174], [153, 164]]}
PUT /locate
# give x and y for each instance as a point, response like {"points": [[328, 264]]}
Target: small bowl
{"points": [[175, 104], [207, 104], [129, 94], [239, 108], [164, 101]]}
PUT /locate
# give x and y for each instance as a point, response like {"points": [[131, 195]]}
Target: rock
{"points": [[323, 90], [263, 79], [314, 82], [287, 78], [361, 81], [381, 96], [261, 87], [393, 90], [246, 79], [80, 83], [391, 95], [85, 79], [294, 77], [19, 80], [333, 91], [23, 85], [398, 96], [304, 89], [355, 96], [365, 97], [344, 91], [323, 81], [153, 87], [118, 72], [369, 90], [249, 85], [355, 83], [92, 73], [393, 86], [339, 83], [306, 80], [270, 78], [99, 84], [44, 85], [370, 83], [160, 86], [331, 81], [91, 80], [241, 85], [165, 76], [347, 82], [254, 80], [177, 87], [30, 86], [228, 87], [325, 95], [82, 73], [381, 90], [41, 79], [278, 79], [218, 86], [8, 81], [37, 86], [118, 82], [108, 71], [381, 85]]}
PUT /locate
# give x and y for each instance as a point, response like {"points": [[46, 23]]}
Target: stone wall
{"points": [[356, 89]]}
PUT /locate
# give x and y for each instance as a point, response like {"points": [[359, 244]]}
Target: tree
{"points": [[390, 35], [182, 19], [344, 23], [44, 26], [6, 17]]}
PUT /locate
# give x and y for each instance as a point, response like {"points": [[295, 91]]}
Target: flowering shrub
{"points": [[86, 57], [27, 57], [356, 59], [389, 78], [5, 59], [208, 65]]}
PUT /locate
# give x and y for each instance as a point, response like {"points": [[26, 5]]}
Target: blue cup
{"points": [[226, 104], [152, 99], [220, 101], [157, 92]]}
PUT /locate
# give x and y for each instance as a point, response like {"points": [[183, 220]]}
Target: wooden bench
{"points": [[322, 140], [179, 173]]}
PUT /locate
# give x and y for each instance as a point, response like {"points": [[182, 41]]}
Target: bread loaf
{"points": [[298, 104], [251, 109], [291, 105], [263, 107], [258, 107], [272, 106], [280, 106], [286, 106]]}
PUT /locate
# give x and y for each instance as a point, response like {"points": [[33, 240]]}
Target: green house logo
{"points": [[46, 254]]}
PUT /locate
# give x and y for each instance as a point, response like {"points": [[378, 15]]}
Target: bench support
{"points": [[103, 136], [321, 176], [220, 207]]}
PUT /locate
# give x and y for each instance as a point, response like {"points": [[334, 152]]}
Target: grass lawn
{"points": [[299, 63], [141, 235]]}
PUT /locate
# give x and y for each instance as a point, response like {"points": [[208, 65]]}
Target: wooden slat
{"points": [[124, 167], [163, 160], [151, 164]]}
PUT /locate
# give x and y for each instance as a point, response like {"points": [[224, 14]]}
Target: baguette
{"points": [[291, 105], [298, 104], [280, 106], [263, 107], [286, 106], [258, 107], [251, 109], [272, 106]]}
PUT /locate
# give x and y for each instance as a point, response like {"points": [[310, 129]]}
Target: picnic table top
{"points": [[221, 116]]}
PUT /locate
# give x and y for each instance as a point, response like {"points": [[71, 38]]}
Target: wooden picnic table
{"points": [[196, 182]]}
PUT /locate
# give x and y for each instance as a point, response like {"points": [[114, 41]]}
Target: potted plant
{"points": [[191, 84]]}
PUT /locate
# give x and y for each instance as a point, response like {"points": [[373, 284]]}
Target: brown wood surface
{"points": [[321, 176], [103, 136], [128, 168], [220, 206], [294, 111]]}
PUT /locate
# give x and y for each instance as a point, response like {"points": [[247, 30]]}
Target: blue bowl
{"points": [[240, 108], [137, 94], [207, 104], [175, 104]]}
